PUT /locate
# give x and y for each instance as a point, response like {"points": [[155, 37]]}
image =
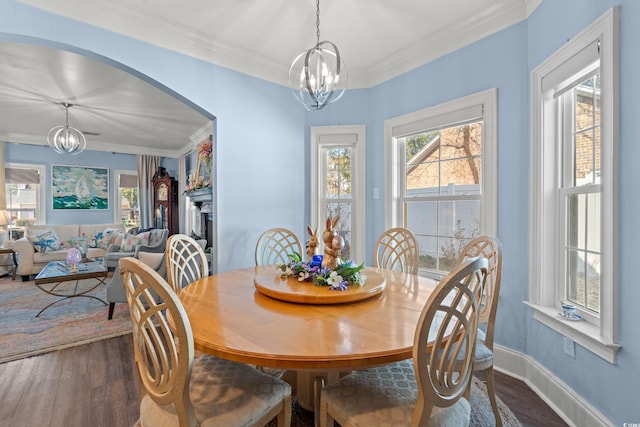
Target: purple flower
{"points": [[342, 286]]}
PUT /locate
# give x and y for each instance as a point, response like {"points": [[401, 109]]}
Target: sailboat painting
{"points": [[80, 187]]}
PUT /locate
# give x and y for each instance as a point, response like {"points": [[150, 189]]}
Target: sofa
{"points": [[4, 259], [33, 256]]}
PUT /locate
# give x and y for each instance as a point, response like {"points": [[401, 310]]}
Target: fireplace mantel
{"points": [[200, 196]]}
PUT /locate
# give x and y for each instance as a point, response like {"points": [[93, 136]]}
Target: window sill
{"points": [[584, 333]]}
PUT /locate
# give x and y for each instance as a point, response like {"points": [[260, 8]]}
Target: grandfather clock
{"points": [[165, 201]]}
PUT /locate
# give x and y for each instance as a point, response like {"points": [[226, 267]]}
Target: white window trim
{"points": [[599, 339], [393, 129], [42, 194], [358, 184], [117, 210]]}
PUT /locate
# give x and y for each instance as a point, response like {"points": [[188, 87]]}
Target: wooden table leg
{"points": [[318, 385]]}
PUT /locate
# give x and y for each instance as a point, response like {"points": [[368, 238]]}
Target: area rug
{"points": [[481, 412], [71, 322]]}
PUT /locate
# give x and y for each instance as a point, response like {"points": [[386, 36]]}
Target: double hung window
{"points": [[574, 187], [338, 183], [25, 194], [441, 163], [127, 208]]}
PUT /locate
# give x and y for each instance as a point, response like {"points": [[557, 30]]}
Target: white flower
{"points": [[362, 279], [334, 279], [288, 272], [304, 275]]}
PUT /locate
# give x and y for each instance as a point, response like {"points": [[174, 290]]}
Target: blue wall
{"points": [[263, 158]]}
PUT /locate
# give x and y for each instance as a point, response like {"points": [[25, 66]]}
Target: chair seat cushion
{"points": [[116, 256], [387, 395], [152, 259], [484, 356], [223, 393]]}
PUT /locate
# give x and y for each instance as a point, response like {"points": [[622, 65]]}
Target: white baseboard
{"points": [[568, 404]]}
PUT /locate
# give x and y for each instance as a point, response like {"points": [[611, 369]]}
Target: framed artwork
{"points": [[79, 187]]}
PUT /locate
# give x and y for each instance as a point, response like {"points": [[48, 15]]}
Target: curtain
{"points": [[147, 167], [3, 195], [182, 183]]}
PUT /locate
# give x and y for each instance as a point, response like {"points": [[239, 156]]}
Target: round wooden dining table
{"points": [[232, 319], [246, 316]]}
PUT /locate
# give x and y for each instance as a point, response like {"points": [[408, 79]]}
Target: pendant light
{"points": [[318, 76], [66, 139]]}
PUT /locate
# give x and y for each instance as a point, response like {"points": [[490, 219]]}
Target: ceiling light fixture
{"points": [[318, 76], [66, 139]]}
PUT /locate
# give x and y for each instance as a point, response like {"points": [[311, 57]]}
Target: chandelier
{"points": [[318, 76], [66, 139]]}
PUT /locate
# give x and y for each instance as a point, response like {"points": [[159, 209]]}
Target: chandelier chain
{"points": [[317, 23]]}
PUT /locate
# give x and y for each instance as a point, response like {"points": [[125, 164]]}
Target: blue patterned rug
{"points": [[71, 322], [481, 412]]}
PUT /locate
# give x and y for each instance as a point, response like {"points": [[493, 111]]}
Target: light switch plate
{"points": [[569, 347]]}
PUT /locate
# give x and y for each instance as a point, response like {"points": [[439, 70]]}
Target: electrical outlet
{"points": [[569, 347]]}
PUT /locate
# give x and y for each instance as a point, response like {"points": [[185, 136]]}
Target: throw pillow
{"points": [[129, 242], [95, 238], [46, 241], [144, 238], [102, 238]]}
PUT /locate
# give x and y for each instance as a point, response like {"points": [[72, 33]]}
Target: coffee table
{"points": [[56, 273], [13, 262]]}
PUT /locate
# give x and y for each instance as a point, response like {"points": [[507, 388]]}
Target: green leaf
{"points": [[295, 257], [346, 271]]}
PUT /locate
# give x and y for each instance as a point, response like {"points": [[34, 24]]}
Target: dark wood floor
{"points": [[96, 385]]}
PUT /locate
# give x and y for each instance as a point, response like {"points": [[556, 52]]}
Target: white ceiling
{"points": [[378, 39], [130, 115]]}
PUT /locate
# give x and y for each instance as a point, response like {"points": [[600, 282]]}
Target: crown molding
{"points": [[197, 137], [122, 17], [447, 40], [532, 5]]}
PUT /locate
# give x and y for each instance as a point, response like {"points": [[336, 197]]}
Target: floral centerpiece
{"points": [[204, 152], [344, 274], [201, 177], [195, 183]]}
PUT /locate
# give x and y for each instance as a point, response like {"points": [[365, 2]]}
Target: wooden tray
{"points": [[291, 290]]}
